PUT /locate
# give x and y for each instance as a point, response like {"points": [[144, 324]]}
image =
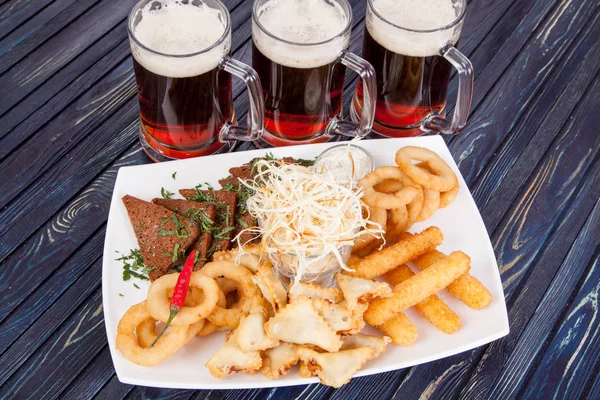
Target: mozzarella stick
{"points": [[466, 288], [400, 329], [352, 260], [433, 308], [418, 288], [385, 260]]}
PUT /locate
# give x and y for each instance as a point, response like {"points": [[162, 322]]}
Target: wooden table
{"points": [[68, 121]]}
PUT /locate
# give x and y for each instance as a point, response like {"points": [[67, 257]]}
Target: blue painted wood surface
{"points": [[530, 154]]}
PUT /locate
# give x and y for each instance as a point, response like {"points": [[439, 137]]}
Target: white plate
{"points": [[460, 222]]}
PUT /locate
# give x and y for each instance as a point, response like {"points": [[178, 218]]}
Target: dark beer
{"points": [[185, 97], [299, 102], [184, 113], [408, 88], [295, 47]]}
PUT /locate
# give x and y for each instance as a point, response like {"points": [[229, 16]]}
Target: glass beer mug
{"points": [[183, 72], [410, 43], [300, 52]]}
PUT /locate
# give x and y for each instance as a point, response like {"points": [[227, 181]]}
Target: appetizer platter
{"points": [[234, 253]]}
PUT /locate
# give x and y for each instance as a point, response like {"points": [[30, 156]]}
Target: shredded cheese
{"points": [[306, 217]]}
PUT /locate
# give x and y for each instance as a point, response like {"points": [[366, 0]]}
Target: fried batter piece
{"points": [[377, 343], [359, 290], [278, 360], [335, 369], [299, 322], [272, 289], [337, 315], [230, 358], [312, 291], [251, 334]]}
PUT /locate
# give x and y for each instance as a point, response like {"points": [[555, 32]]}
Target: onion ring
{"points": [[448, 197], [146, 331], [230, 317], [158, 302], [431, 203], [129, 346], [441, 178], [209, 327], [388, 186], [399, 218], [386, 200], [414, 209]]}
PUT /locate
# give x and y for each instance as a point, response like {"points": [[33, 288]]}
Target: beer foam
{"points": [[179, 29], [301, 21], [416, 15]]}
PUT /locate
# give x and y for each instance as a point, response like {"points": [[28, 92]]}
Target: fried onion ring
{"points": [[399, 220], [448, 197], [414, 209], [431, 203], [129, 346], [441, 178], [230, 317], [158, 302], [386, 200], [209, 327]]}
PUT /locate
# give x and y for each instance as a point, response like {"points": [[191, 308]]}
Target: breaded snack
{"points": [[466, 288], [433, 308], [401, 329], [405, 250], [418, 288]]}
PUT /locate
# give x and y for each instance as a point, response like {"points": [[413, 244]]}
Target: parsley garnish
{"points": [[179, 228], [175, 251], [165, 193], [304, 162], [121, 294], [136, 286], [174, 174], [133, 265]]}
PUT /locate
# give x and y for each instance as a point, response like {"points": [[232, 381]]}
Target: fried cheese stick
{"points": [[418, 288], [433, 308], [405, 250], [466, 288]]}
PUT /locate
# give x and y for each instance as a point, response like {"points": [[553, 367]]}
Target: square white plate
{"points": [[460, 222]]}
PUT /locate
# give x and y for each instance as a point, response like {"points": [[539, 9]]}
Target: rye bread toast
{"points": [[226, 203], [159, 233], [202, 214]]}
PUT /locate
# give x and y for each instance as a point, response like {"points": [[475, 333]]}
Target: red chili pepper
{"points": [[179, 292]]}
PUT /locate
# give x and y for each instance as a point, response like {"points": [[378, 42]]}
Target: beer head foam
{"points": [[416, 15], [301, 21], [178, 29]]}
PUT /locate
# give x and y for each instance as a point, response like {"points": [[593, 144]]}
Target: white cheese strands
{"points": [[306, 217]]}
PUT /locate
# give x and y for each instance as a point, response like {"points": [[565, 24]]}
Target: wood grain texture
{"points": [[35, 68], [570, 349], [530, 154], [60, 359], [15, 13], [52, 96], [31, 34]]}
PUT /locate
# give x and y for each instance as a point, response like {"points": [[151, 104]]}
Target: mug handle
{"points": [[367, 73], [464, 97], [256, 119]]}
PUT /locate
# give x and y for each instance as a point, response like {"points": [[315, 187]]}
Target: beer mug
{"points": [[183, 72], [300, 52], [410, 43]]}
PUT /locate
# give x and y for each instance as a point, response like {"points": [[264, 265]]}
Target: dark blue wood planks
{"points": [[530, 153]]}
